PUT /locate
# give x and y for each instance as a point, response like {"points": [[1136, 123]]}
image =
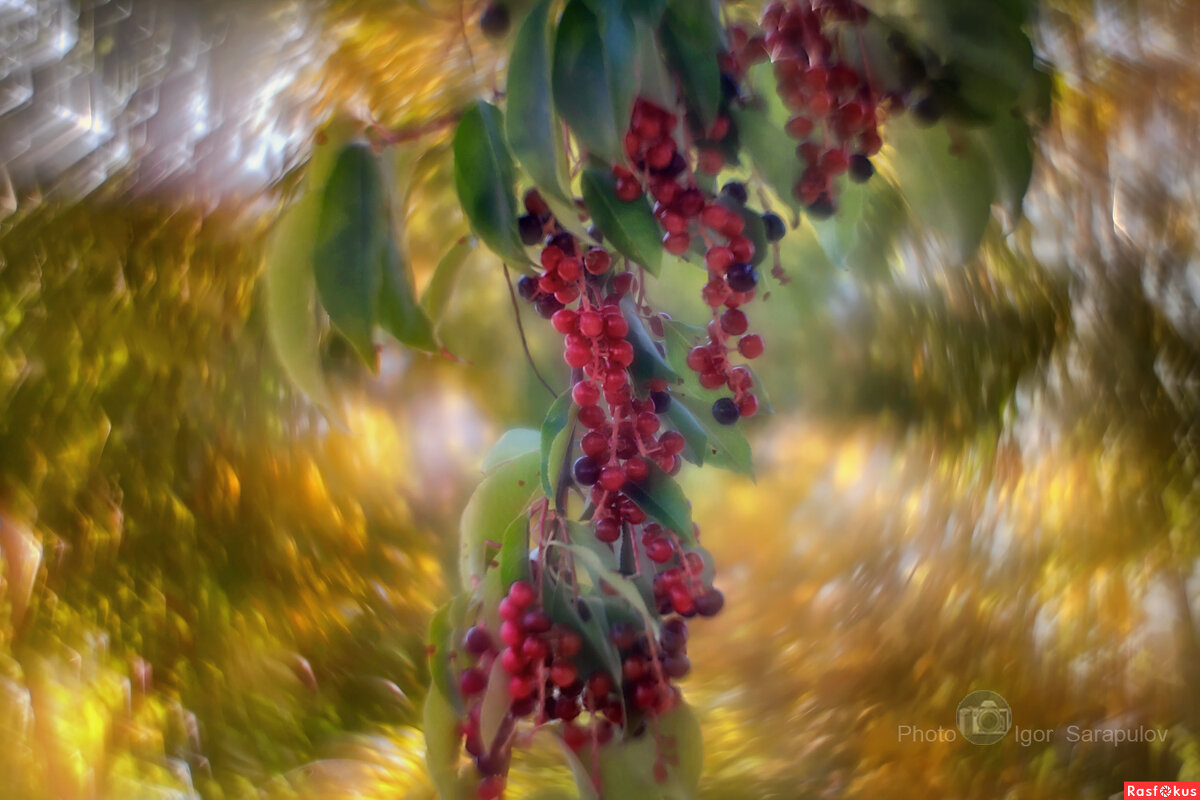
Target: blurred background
{"points": [[976, 477]]}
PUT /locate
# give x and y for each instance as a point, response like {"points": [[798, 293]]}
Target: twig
{"points": [[512, 294]]}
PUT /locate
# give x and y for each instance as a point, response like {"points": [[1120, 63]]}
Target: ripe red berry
{"points": [[624, 283], [676, 243], [718, 259], [570, 269], [565, 320], [575, 737], [512, 661], [699, 359], [672, 442], [751, 346], [491, 787], [534, 649], [563, 673], [522, 594], [628, 189], [636, 469], [509, 610], [591, 416], [748, 405], [597, 261], [734, 322], [608, 530], [472, 682], [743, 248], [585, 393], [659, 551], [551, 256], [510, 633], [591, 323], [569, 644], [712, 379], [594, 444], [615, 326], [799, 127], [520, 687], [612, 478], [740, 380], [536, 622], [576, 355]]}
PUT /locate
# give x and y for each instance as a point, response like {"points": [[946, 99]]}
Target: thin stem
{"points": [[512, 294], [564, 468]]}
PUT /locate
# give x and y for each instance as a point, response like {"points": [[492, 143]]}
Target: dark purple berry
{"points": [[477, 641], [527, 287], [822, 209], [774, 226], [494, 21], [725, 411], [736, 190], [710, 603], [661, 400], [530, 229], [741, 277], [546, 306], [861, 168], [587, 471]]}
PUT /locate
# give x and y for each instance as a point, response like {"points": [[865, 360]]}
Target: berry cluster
{"points": [[836, 110]]}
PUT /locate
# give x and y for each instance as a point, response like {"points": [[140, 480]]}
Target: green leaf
{"points": [[553, 450], [629, 227], [511, 445], [761, 132], [949, 195], [694, 59], [592, 77], [533, 131], [695, 437], [661, 498], [725, 445], [624, 587], [436, 296], [399, 313], [514, 553], [496, 502], [496, 701], [486, 181], [654, 82], [443, 628], [290, 287], [1007, 146], [648, 363], [698, 21], [353, 234], [627, 766], [442, 748], [562, 605]]}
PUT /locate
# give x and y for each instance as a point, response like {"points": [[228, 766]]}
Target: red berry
{"points": [[672, 442], [734, 322], [659, 551], [594, 445], [600, 684], [628, 189], [522, 593], [576, 355], [591, 323], [751, 346], [585, 393], [509, 609], [477, 641], [799, 127], [491, 787], [712, 379], [536, 622], [570, 643], [615, 326], [534, 649], [645, 696], [591, 416], [565, 320], [520, 687], [676, 243], [699, 359], [551, 256], [659, 156], [512, 661], [612, 478], [633, 668], [575, 737], [510, 633], [624, 283], [597, 261], [563, 673], [835, 162], [710, 161], [636, 469], [733, 227], [748, 405], [740, 380], [472, 682], [608, 530], [742, 248], [718, 259]]}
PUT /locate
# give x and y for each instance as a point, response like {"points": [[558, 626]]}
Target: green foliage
{"points": [[629, 227], [485, 177], [500, 498]]}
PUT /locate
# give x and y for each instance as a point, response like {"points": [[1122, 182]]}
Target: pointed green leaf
{"points": [[654, 82], [442, 630], [628, 766], [533, 132], [694, 59], [399, 313], [592, 77], [442, 748], [514, 553], [949, 190], [648, 362], [1008, 148], [629, 227], [511, 445], [496, 701], [486, 181], [436, 296], [564, 606], [726, 446], [290, 287], [661, 498], [624, 587], [554, 443], [760, 129], [353, 234], [497, 501]]}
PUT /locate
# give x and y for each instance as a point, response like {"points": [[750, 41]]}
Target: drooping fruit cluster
{"points": [[836, 110]]}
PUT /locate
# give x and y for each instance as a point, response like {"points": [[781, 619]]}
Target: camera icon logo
{"points": [[984, 717]]}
